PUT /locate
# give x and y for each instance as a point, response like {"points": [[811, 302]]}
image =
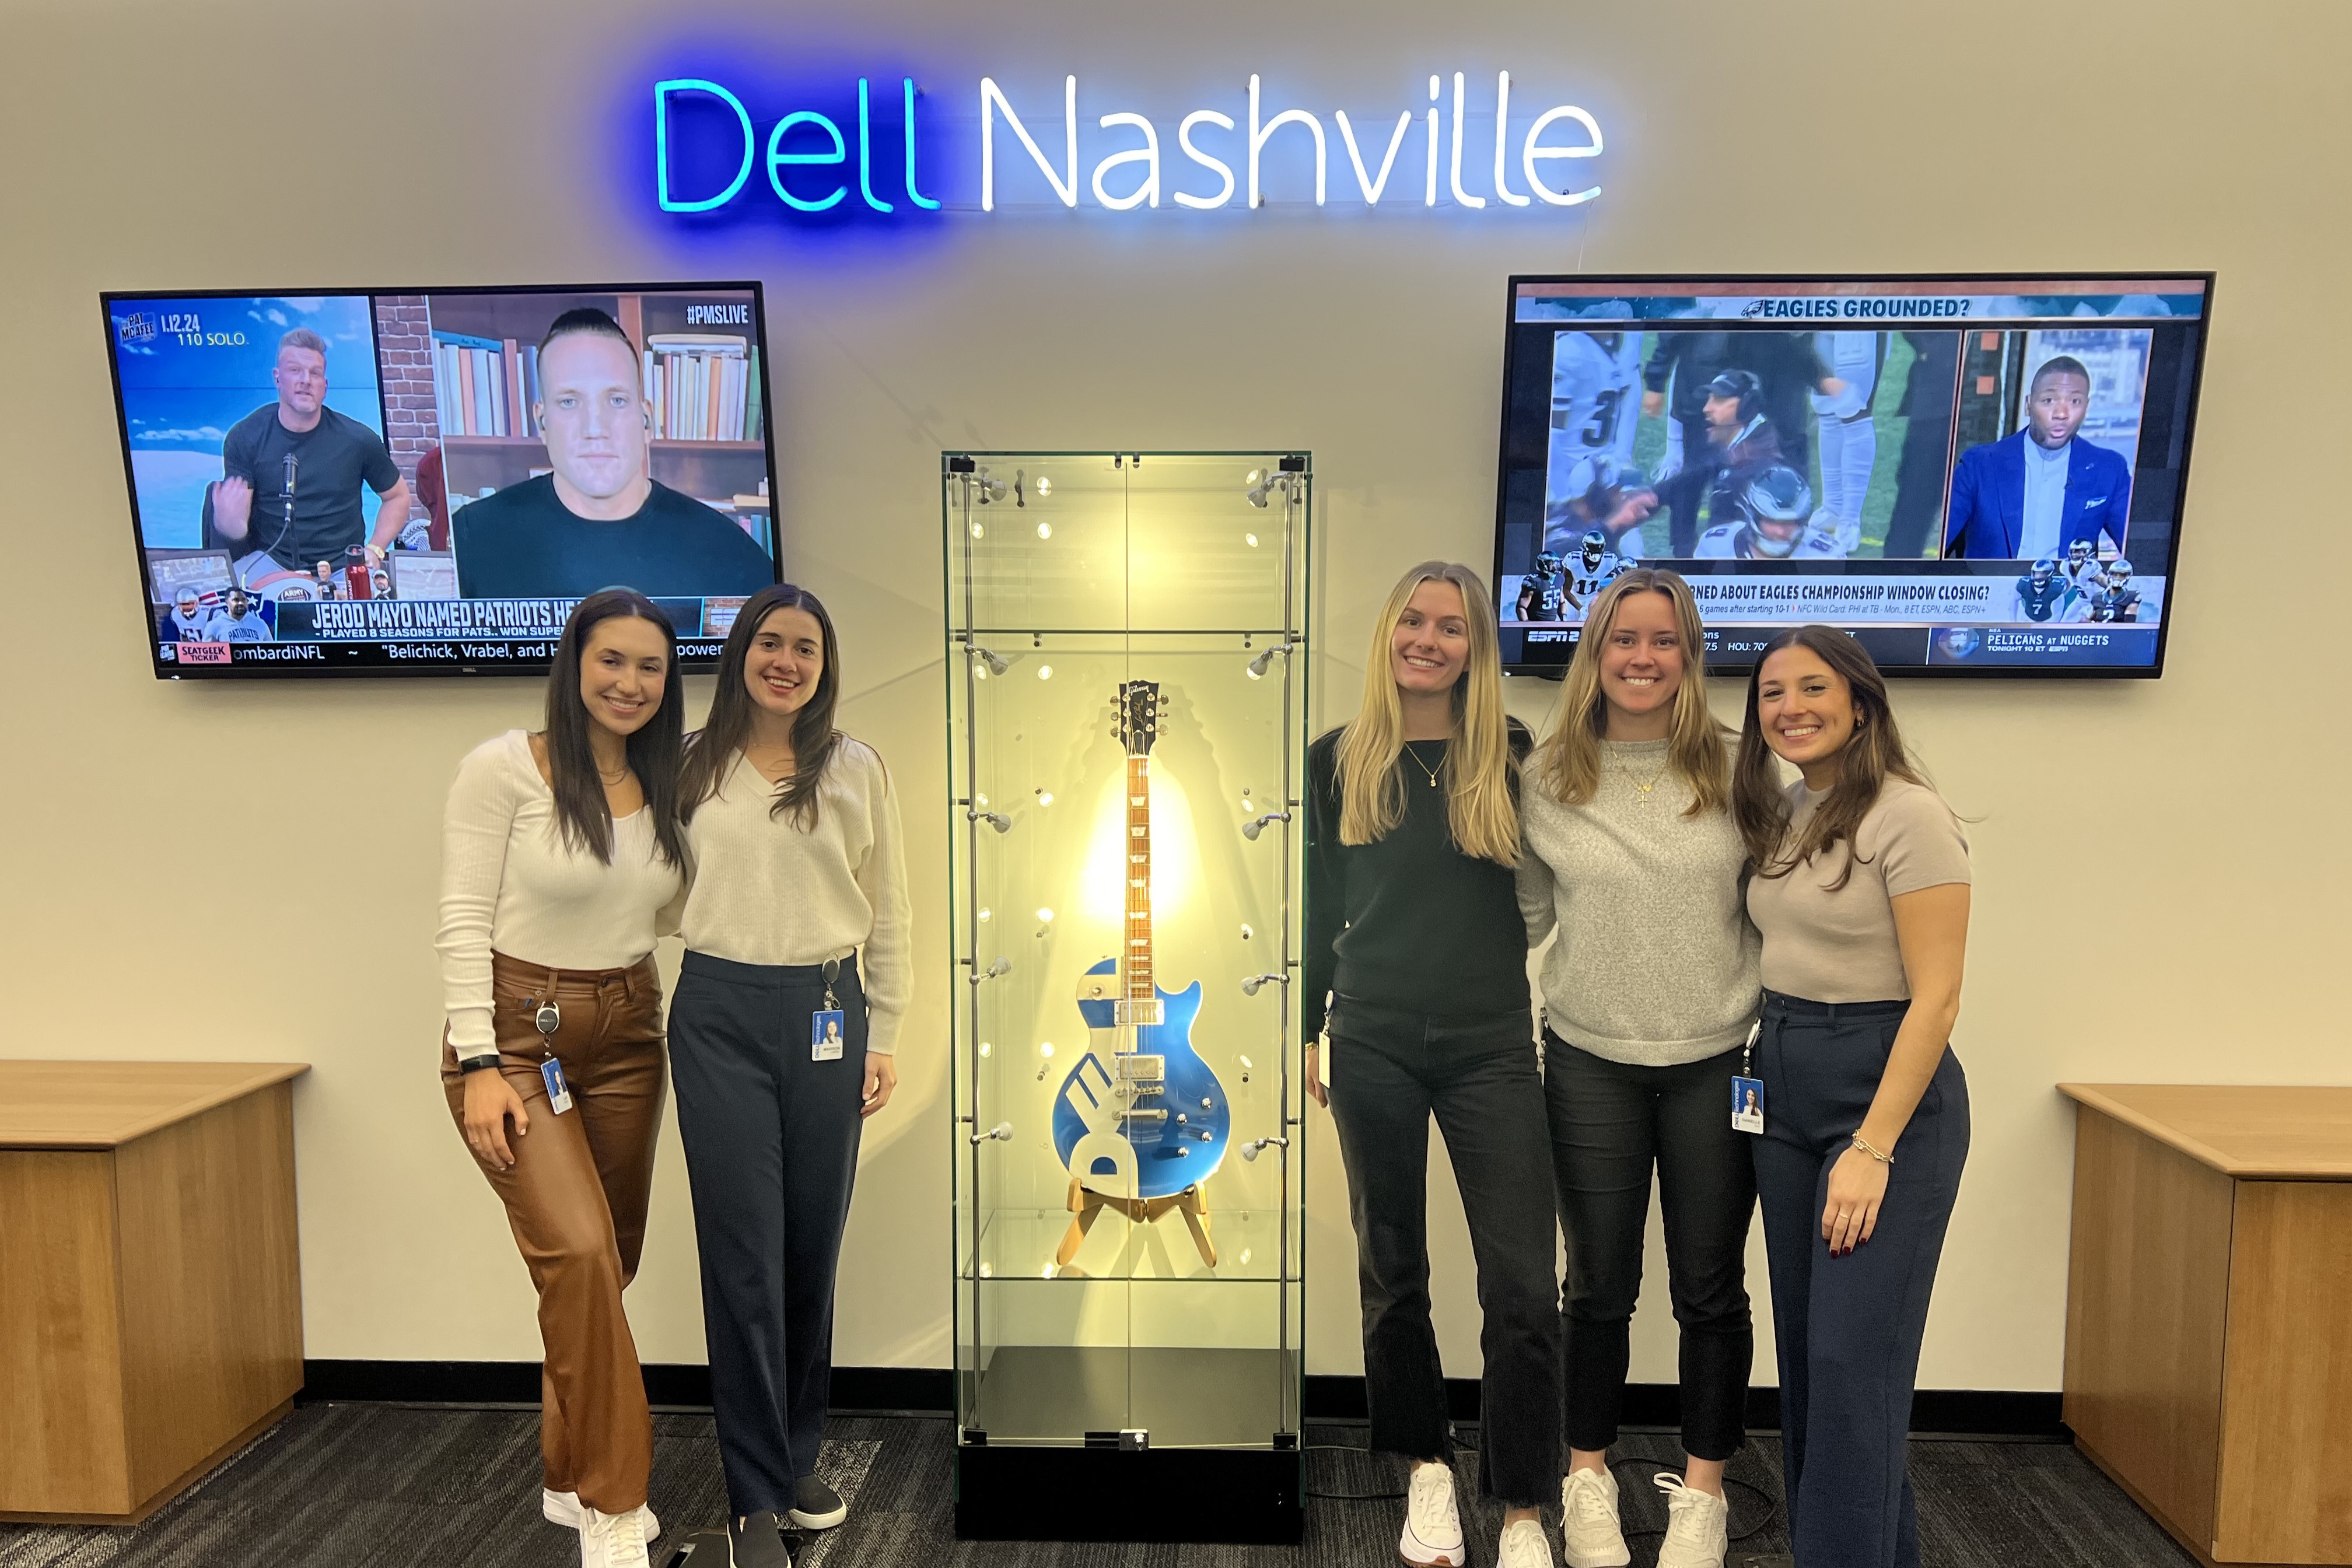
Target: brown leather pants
{"points": [[576, 1199]]}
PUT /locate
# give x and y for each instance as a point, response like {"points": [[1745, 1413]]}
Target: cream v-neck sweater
{"points": [[767, 891], [509, 883]]}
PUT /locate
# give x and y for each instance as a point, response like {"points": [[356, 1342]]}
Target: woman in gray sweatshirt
{"points": [[1634, 865]]}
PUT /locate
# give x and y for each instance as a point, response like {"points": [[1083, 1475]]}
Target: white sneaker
{"points": [[613, 1539], [1697, 1526], [1524, 1546], [1433, 1525], [1589, 1535], [564, 1509]]}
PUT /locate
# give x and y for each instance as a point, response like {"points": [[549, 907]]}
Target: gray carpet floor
{"points": [[379, 1486]]}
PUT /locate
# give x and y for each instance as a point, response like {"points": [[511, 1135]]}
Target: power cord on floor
{"points": [[1650, 1467]]}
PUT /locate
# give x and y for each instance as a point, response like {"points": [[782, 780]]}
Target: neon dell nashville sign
{"points": [[712, 156]]}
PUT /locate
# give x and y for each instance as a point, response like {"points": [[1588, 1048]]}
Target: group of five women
{"points": [[1715, 939]]}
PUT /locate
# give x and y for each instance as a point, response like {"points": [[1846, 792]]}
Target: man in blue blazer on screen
{"points": [[2034, 493]]}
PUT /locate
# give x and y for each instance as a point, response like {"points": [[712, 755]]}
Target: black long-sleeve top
{"points": [[1408, 920]]}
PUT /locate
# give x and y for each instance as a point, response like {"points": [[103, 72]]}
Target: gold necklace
{"points": [[1645, 789], [1425, 767]]}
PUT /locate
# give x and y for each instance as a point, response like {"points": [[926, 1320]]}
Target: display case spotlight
{"points": [[1045, 916], [1045, 798], [1265, 661], [1250, 986], [1249, 540], [1000, 1133], [1003, 823], [1253, 1148], [1044, 487], [1045, 672], [1264, 482], [990, 661], [998, 969], [1045, 1049], [1255, 825], [1044, 530]]}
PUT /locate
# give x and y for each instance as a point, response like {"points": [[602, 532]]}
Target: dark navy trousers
{"points": [[1849, 1329], [770, 1138]]}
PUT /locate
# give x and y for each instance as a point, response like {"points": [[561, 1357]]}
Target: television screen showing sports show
{"points": [[1970, 474], [375, 483]]}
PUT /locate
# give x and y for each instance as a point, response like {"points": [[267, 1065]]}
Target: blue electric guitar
{"points": [[1140, 1117]]}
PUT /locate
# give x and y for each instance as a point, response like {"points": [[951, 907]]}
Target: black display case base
{"points": [[1220, 1495]]}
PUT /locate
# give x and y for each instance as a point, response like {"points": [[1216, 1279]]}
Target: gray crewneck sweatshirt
{"points": [[1655, 961]]}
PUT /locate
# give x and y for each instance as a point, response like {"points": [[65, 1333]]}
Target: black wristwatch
{"points": [[475, 1064]]}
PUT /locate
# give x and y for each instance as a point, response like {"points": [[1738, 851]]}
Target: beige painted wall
{"points": [[249, 871]]}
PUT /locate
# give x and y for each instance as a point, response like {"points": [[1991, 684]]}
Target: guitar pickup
{"points": [[1139, 1069], [1138, 1012]]}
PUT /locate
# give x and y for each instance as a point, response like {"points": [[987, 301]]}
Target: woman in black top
{"points": [[1413, 932]]}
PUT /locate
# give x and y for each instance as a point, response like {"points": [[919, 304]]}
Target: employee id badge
{"points": [[825, 1035], [559, 1095], [1748, 1104]]}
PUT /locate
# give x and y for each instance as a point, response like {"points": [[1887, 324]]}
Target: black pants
{"points": [[1391, 1071], [1610, 1122], [771, 1141], [1848, 1329]]}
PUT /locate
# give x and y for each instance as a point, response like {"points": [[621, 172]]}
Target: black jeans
{"points": [[1391, 1071], [1848, 1329], [771, 1141], [1610, 1122]]}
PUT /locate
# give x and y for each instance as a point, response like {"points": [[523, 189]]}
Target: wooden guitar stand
{"points": [[1087, 1205]]}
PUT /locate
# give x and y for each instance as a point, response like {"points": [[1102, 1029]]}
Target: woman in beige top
{"points": [[1861, 890]]}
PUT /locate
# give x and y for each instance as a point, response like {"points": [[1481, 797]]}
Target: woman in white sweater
{"points": [[787, 1012], [562, 860], [1633, 863]]}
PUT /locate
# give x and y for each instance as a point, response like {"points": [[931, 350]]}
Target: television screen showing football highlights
{"points": [[385, 482], [1968, 474]]}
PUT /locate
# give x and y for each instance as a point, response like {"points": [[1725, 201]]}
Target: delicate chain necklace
{"points": [[1425, 767], [1644, 789]]}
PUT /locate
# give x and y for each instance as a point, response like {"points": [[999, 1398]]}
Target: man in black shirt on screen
{"points": [[599, 519], [300, 445]]}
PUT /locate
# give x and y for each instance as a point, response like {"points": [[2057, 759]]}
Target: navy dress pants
{"points": [[770, 1138], [1849, 1329]]}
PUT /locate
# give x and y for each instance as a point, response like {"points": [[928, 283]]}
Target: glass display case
{"points": [[1127, 642]]}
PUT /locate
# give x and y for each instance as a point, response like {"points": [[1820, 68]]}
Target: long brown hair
{"points": [[1481, 811], [1568, 764], [584, 818], [723, 734], [1871, 756]]}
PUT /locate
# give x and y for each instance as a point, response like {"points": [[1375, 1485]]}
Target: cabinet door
{"points": [[2286, 1399], [2148, 1291]]}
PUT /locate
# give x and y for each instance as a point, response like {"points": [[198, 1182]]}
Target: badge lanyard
{"points": [[1747, 1090], [826, 1025], [549, 1017]]}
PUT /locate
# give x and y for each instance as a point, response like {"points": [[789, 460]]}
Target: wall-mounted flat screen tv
{"points": [[1971, 475], [381, 482]]}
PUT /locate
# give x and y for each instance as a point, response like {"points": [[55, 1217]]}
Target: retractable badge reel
{"points": [[550, 1018], [826, 1028], [1748, 1091]]}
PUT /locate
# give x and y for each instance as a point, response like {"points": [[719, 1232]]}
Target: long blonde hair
{"points": [[1481, 810], [1568, 764]]}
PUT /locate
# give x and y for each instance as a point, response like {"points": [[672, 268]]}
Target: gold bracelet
{"points": [[1865, 1145]]}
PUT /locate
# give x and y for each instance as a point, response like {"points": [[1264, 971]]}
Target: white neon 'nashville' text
{"points": [[1062, 177]]}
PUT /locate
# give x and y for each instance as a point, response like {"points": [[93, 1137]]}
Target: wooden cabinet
{"points": [[151, 1296], [2208, 1312]]}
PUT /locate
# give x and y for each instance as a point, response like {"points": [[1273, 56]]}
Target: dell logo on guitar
{"points": [[712, 153]]}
